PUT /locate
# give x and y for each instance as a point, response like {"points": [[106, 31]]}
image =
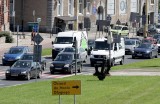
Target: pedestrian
{"points": [[32, 37]]}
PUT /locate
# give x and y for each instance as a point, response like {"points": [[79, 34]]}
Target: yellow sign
{"points": [[70, 87]]}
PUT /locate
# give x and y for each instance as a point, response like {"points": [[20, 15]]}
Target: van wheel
{"points": [[80, 69], [113, 62], [122, 61]]}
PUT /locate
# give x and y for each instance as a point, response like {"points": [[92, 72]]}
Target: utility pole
{"points": [[76, 12], [146, 25]]}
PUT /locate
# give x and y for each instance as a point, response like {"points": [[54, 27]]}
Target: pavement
{"points": [[48, 38]]}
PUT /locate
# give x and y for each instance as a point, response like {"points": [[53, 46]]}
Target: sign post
{"points": [[37, 50], [69, 87]]}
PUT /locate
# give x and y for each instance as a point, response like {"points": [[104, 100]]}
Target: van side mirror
{"points": [[52, 42]]}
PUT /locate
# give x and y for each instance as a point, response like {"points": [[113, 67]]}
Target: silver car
{"points": [[130, 44]]}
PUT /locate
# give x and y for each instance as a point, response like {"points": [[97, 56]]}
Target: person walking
{"points": [[32, 37]]}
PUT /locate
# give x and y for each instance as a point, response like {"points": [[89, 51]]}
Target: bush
{"points": [[9, 38]]}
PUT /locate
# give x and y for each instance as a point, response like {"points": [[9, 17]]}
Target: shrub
{"points": [[9, 38]]}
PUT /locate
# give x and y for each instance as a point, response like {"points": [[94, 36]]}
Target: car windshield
{"points": [[156, 36], [157, 26], [146, 41], [27, 57], [129, 42], [63, 40], [117, 27], [64, 57], [22, 64], [145, 46], [101, 45], [15, 51], [69, 50]]}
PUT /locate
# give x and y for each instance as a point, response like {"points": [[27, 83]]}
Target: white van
{"points": [[65, 39], [101, 52]]}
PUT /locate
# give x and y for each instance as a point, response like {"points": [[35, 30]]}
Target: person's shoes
{"points": [[95, 74]]}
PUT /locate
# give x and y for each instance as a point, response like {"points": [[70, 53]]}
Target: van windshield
{"points": [[63, 40], [102, 45]]}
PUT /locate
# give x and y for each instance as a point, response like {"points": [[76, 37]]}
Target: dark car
{"points": [[14, 54], [156, 36], [29, 56], [81, 52], [140, 31], [65, 63], [146, 50], [25, 69], [91, 43]]}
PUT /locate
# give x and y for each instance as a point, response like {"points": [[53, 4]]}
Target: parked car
{"points": [[81, 52], [130, 44], [149, 40], [146, 50], [14, 54], [158, 28], [158, 44], [91, 43], [121, 30], [65, 62], [140, 31], [156, 36], [25, 69], [29, 56], [152, 28]]}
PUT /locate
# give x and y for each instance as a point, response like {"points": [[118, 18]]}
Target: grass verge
{"points": [[113, 90], [146, 64], [46, 51]]}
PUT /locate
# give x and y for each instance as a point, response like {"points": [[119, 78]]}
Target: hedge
{"points": [[9, 38]]}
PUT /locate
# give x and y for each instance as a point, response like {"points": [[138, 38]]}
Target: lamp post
{"points": [[146, 24], [13, 14]]}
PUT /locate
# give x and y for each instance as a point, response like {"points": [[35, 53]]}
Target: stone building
{"points": [[4, 15], [61, 15]]}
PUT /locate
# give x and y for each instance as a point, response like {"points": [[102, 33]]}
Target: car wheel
{"points": [[133, 57], [28, 77], [52, 72], [39, 74], [44, 67], [113, 62], [3, 64], [85, 59], [150, 56], [71, 70], [156, 55], [7, 78], [80, 69], [122, 61]]}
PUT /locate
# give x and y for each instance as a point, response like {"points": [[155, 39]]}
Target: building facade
{"points": [[62, 15], [4, 15]]}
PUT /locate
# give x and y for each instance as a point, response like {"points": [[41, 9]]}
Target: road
{"points": [[87, 69]]}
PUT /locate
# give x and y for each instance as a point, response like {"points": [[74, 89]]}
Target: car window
{"points": [[15, 51], [22, 64], [27, 57], [63, 57]]}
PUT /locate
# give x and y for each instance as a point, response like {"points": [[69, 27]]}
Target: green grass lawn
{"points": [[46, 51], [146, 64], [113, 90]]}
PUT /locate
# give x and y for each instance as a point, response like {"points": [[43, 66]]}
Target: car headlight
{"points": [[51, 65], [18, 57], [3, 57], [67, 65], [7, 71], [24, 72], [147, 51], [91, 56]]}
